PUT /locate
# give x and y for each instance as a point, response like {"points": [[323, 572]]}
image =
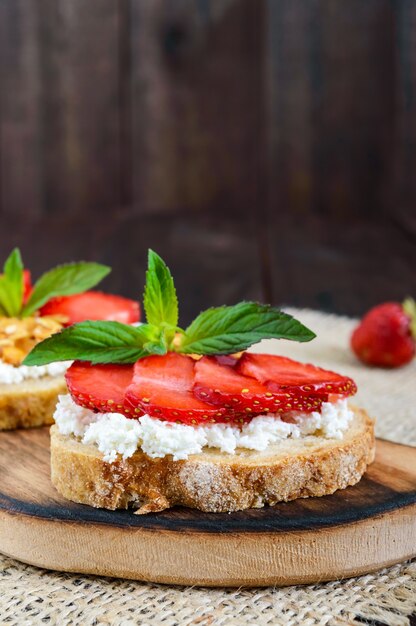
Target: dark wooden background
{"points": [[266, 149]]}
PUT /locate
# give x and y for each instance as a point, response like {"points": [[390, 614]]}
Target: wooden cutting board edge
{"points": [[209, 559], [193, 556]]}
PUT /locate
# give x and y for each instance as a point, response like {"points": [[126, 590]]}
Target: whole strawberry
{"points": [[386, 334]]}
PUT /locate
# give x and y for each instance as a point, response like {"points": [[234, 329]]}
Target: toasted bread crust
{"points": [[213, 481], [31, 403]]}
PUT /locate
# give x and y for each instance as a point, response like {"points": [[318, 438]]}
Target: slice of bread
{"points": [[30, 403], [213, 481]]}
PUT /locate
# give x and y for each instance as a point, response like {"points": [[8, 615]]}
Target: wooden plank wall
{"points": [[265, 148]]}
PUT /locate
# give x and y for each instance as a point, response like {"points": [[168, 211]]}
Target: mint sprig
{"points": [[63, 280], [221, 330]]}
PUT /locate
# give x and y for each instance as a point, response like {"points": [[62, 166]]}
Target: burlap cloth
{"points": [[32, 596]]}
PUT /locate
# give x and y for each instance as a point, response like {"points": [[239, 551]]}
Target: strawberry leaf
{"points": [[98, 342], [11, 285], [229, 329], [64, 280], [409, 307]]}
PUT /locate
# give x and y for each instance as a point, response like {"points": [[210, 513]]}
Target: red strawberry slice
{"points": [[93, 305], [162, 387], [218, 383], [101, 388], [279, 373]]}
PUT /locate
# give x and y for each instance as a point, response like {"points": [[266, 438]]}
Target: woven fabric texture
{"points": [[30, 596]]}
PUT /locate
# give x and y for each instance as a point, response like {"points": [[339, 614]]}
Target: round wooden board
{"points": [[351, 532]]}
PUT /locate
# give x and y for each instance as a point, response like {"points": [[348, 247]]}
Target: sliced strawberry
{"points": [[93, 305], [279, 373], [27, 285], [162, 387], [101, 387], [218, 383]]}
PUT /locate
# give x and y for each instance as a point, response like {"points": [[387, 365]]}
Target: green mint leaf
{"points": [[64, 280], [97, 342], [152, 347], [11, 285], [158, 344], [160, 300], [228, 329]]}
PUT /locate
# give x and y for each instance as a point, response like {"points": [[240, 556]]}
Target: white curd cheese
{"points": [[10, 374], [115, 434], [72, 419]]}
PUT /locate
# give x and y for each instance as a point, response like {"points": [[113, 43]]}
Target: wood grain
{"points": [[20, 128], [292, 122], [353, 531], [330, 145], [59, 115], [197, 102]]}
